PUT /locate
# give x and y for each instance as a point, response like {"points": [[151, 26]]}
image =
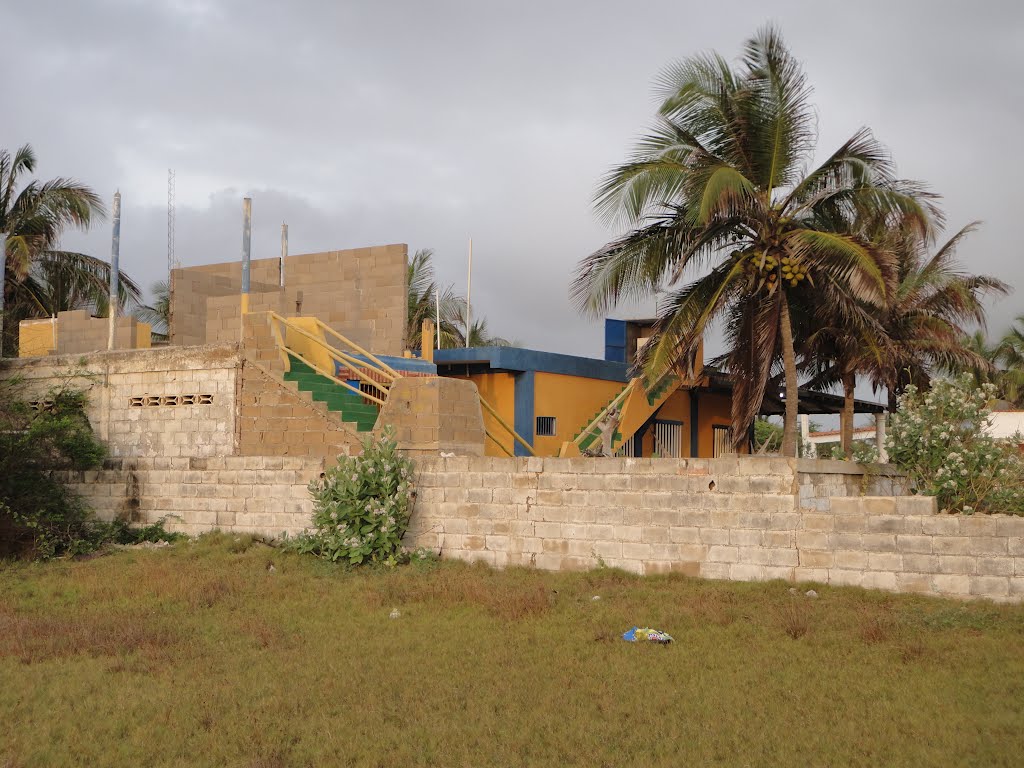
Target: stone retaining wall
{"points": [[744, 519], [167, 401]]}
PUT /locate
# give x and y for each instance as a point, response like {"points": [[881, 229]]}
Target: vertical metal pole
{"points": [[115, 254], [469, 293], [883, 455], [246, 250], [284, 250], [437, 311], [3, 283]]}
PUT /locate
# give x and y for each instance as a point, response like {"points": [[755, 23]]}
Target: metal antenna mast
{"points": [[172, 261]]}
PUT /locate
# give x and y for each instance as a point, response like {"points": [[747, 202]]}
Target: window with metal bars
{"points": [[545, 426], [723, 440]]}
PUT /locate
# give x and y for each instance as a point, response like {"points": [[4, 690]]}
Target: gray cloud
{"points": [[425, 123]]}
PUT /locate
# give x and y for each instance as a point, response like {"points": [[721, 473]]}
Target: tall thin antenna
{"points": [[172, 261], [469, 294]]}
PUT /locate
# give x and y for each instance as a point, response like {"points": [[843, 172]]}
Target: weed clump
{"points": [[362, 506]]}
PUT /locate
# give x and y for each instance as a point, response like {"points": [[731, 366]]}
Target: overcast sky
{"points": [[364, 123]]}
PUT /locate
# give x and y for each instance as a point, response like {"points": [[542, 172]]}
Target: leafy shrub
{"points": [[120, 532], [37, 513], [861, 451], [938, 438], [361, 506]]}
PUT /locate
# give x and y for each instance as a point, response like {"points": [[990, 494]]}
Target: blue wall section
{"points": [[615, 340], [515, 359], [524, 407]]}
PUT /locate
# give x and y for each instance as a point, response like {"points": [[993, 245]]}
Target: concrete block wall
{"points": [[235, 494], [275, 419], [167, 402], [359, 292], [77, 332], [740, 519], [746, 519], [432, 415]]}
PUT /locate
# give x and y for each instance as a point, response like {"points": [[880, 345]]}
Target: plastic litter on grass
{"points": [[646, 633]]}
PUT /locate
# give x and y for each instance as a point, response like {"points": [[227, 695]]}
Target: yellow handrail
{"points": [[332, 377], [279, 341], [616, 401], [348, 342], [490, 409], [336, 353]]}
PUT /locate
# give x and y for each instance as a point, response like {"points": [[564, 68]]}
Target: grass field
{"points": [[202, 655]]}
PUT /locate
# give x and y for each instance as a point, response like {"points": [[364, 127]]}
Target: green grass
{"points": [[198, 654]]}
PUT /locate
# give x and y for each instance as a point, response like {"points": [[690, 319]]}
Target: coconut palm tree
{"points": [[40, 279], [922, 324], [425, 297], [479, 333], [846, 342], [717, 192], [1003, 361], [157, 314], [1009, 357]]}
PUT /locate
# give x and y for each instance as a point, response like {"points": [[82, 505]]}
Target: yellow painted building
{"points": [[551, 399]]}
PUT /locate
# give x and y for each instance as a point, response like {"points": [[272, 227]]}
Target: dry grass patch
{"points": [[202, 655]]}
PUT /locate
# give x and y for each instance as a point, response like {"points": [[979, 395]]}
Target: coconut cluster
{"points": [[791, 269]]}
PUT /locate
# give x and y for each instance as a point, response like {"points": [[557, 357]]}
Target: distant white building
{"points": [[1006, 423]]}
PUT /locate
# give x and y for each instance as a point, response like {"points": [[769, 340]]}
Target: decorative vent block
{"points": [[153, 401]]}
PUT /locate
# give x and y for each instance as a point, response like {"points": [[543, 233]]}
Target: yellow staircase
{"points": [[635, 403]]}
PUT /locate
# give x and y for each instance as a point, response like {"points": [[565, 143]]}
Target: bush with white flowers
{"points": [[361, 506], [938, 438]]}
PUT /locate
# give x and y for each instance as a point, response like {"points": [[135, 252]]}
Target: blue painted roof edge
{"points": [[403, 363], [516, 359]]}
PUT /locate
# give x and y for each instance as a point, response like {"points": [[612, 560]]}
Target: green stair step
{"points": [[349, 406]]}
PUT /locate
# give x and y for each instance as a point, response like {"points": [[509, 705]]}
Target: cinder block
{"points": [[951, 545], [722, 554], [941, 525], [989, 586], [880, 580], [916, 544], [746, 538], [885, 561], [879, 542], [810, 558], [988, 545], [709, 570], [995, 566], [957, 564], [684, 535], [636, 551], [745, 572], [921, 563], [817, 575], [850, 559], [842, 577]]}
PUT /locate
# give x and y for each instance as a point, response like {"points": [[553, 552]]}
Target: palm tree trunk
{"points": [[846, 427], [789, 426]]}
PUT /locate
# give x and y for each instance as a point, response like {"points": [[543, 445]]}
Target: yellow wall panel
{"points": [[573, 401]]}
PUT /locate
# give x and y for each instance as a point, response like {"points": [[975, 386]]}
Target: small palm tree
{"points": [[718, 190], [1003, 364], [39, 278], [1009, 356], [921, 328], [426, 297], [479, 334], [157, 314]]}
